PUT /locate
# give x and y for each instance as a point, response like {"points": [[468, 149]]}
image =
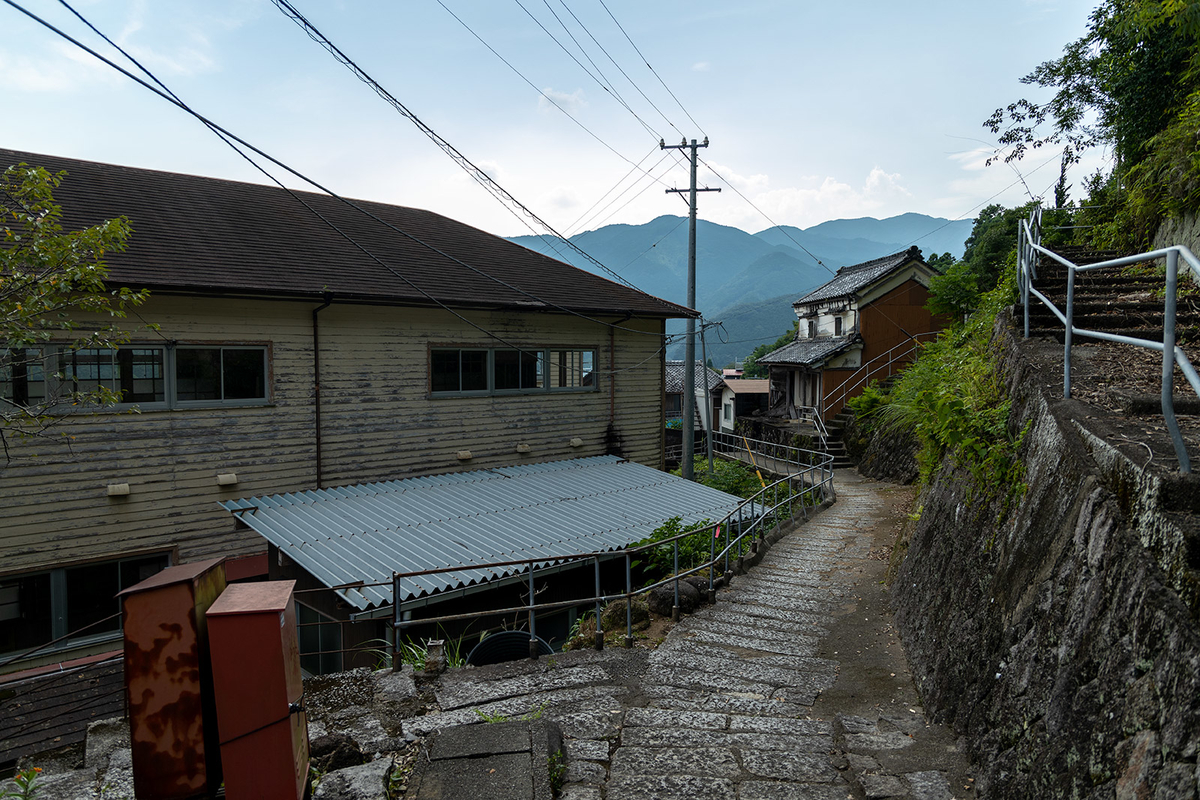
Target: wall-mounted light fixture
{"points": [[577, 442], [464, 455], [118, 490], [227, 479], [522, 448]]}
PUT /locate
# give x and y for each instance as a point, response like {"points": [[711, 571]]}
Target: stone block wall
{"points": [[1059, 637]]}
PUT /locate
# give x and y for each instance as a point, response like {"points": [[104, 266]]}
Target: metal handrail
{"points": [[859, 380], [796, 459], [1029, 246], [745, 527]]}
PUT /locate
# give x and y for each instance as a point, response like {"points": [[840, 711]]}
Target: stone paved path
{"points": [[730, 705]]}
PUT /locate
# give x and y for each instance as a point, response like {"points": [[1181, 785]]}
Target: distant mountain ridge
{"points": [[749, 281]]}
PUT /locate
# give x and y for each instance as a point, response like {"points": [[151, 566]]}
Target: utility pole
{"points": [[689, 370]]}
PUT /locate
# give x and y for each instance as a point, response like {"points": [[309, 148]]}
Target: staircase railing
{"points": [[1028, 248], [863, 375]]}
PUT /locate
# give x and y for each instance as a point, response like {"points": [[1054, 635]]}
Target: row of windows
{"points": [[40, 607], [456, 371], [183, 376], [193, 375]]}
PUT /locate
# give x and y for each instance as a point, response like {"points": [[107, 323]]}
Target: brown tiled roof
{"points": [[207, 235]]}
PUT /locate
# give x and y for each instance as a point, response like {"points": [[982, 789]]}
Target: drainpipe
{"points": [[317, 385]]}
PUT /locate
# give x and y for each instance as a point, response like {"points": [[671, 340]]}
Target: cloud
{"points": [[973, 160], [561, 198], [744, 184], [701, 66], [568, 102], [881, 193], [65, 69]]}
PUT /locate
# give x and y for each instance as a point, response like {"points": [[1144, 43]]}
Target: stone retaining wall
{"points": [[1061, 637]]}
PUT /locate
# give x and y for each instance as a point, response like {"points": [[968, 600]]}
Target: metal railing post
{"points": [[533, 644], [599, 628], [712, 563], [1168, 363], [628, 601], [675, 608], [397, 623], [1069, 330]]}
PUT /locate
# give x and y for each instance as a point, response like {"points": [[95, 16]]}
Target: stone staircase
{"points": [[836, 425], [1120, 378], [1112, 300]]}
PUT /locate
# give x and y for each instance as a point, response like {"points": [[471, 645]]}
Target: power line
{"points": [[633, 169], [475, 172], [616, 210], [647, 63], [227, 136], [619, 68], [767, 218], [604, 84], [533, 86]]}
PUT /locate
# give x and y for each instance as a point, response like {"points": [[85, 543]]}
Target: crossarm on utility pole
{"points": [[689, 371]]}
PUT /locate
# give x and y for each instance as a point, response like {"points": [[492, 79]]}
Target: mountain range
{"points": [[747, 281]]}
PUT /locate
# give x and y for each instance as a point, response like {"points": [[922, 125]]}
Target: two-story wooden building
{"points": [[299, 342], [864, 313]]}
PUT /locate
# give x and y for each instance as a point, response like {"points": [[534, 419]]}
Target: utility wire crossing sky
{"points": [[814, 111]]}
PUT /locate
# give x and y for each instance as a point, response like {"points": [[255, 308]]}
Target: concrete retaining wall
{"points": [[1060, 638]]}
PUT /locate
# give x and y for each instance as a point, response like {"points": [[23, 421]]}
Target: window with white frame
{"points": [[149, 376], [74, 601], [465, 371]]}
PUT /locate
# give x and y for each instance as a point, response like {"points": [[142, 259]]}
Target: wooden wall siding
{"points": [[882, 320], [378, 423]]}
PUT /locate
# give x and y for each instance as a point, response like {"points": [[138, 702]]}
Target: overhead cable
{"points": [[229, 137], [475, 172], [647, 63]]}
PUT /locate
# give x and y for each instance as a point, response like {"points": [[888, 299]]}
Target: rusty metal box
{"points": [[168, 682], [259, 688]]}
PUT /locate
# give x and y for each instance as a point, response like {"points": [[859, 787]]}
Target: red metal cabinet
{"points": [[256, 675], [168, 682]]}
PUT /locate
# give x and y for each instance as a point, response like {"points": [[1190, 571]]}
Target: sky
{"points": [[813, 111]]}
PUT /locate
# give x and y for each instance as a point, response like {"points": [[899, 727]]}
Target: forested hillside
{"points": [[748, 281]]}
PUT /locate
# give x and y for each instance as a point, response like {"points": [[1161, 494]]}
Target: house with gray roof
{"points": [[859, 326], [322, 356], [708, 384]]}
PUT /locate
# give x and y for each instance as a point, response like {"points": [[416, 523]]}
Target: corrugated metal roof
{"points": [[368, 531]]}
